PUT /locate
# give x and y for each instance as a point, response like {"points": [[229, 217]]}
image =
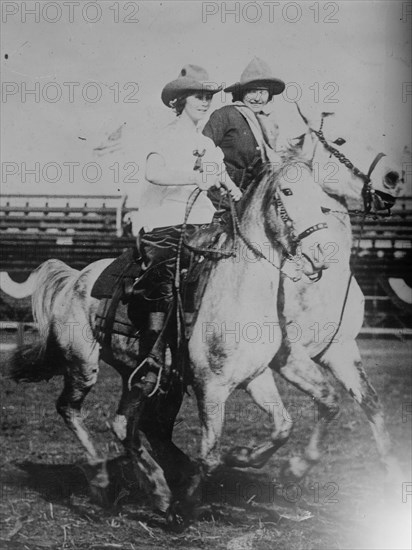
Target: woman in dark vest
{"points": [[246, 127]]}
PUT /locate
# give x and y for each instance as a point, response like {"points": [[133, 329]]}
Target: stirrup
{"points": [[158, 376], [153, 359]]}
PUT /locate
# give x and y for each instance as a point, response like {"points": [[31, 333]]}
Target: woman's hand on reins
{"points": [[230, 186], [206, 181], [235, 192]]}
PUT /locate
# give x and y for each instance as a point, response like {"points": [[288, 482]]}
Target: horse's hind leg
{"points": [[264, 392], [295, 365], [79, 378], [344, 361]]}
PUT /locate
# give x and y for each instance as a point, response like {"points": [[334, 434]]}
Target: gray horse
{"points": [[279, 219]]}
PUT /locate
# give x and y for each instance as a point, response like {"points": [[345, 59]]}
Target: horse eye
{"points": [[287, 192]]}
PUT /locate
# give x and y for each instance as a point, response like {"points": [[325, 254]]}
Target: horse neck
{"points": [[339, 224], [251, 219], [243, 269], [340, 181]]}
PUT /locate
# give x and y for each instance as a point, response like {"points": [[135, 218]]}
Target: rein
{"points": [[250, 245], [367, 191], [237, 232], [367, 194]]}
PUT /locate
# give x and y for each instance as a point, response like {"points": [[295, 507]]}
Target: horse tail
{"points": [[41, 359]]}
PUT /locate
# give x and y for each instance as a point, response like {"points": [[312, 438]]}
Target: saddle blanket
{"points": [[125, 270]]}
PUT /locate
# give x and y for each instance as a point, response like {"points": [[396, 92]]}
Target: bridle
{"points": [[217, 253], [367, 189], [289, 222], [367, 197]]}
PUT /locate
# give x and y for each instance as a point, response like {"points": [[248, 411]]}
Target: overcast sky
{"points": [[354, 53]]}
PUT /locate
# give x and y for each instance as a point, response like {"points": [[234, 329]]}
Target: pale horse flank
{"points": [[278, 220], [321, 323]]}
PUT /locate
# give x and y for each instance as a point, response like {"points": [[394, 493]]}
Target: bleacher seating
{"points": [[81, 229], [77, 230], [386, 243]]}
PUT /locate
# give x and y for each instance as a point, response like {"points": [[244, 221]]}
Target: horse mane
{"points": [[265, 182]]}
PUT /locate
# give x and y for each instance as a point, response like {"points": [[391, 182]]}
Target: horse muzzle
{"points": [[314, 264], [314, 259]]}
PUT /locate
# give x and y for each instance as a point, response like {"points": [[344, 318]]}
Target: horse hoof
{"points": [[238, 457], [101, 496], [96, 473], [98, 480], [293, 470], [177, 518], [101, 480], [119, 427]]}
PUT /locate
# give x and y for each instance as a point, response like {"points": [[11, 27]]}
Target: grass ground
{"points": [[46, 503]]}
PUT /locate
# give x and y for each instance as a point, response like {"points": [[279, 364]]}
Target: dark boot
{"points": [[153, 348], [156, 353]]}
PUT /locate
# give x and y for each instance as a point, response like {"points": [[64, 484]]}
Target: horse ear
{"points": [[307, 144]]}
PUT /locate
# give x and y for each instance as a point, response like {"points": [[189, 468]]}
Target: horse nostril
{"points": [[391, 179]]}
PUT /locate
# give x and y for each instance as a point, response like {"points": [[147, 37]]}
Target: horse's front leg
{"points": [[211, 399], [264, 392], [212, 402], [295, 365]]}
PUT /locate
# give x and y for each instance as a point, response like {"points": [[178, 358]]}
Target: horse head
{"points": [[388, 181], [339, 174], [286, 205], [293, 213]]}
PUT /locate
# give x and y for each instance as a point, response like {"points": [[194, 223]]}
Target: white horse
{"points": [[324, 320], [278, 219]]}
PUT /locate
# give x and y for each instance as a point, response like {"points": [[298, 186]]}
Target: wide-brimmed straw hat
{"points": [[258, 74], [192, 78]]}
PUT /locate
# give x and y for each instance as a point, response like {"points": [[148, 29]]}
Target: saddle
{"points": [[124, 287]]}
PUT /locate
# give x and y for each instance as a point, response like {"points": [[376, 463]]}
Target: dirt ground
{"points": [[46, 501]]}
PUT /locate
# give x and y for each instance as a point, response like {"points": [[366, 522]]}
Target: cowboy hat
{"points": [[192, 78], [257, 74]]}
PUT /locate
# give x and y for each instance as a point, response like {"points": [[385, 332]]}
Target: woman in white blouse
{"points": [[181, 160]]}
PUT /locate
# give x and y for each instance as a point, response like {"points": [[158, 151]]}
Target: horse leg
{"points": [[344, 361], [295, 365], [211, 399], [157, 423], [264, 392], [79, 379], [153, 479], [119, 424]]}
